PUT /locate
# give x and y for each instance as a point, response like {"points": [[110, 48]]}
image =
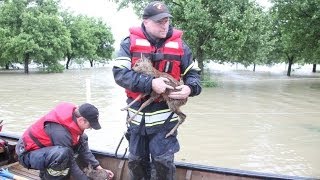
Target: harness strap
{"points": [[156, 56], [166, 123], [36, 140], [142, 126]]}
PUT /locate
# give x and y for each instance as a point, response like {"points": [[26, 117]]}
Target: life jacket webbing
{"points": [[149, 55], [39, 144]]}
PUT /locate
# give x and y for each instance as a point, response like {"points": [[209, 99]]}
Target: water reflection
{"points": [[254, 121]]}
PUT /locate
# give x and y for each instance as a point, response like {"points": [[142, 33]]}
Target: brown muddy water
{"points": [[259, 121]]}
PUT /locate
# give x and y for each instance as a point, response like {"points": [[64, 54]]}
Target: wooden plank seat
{"points": [[19, 170]]}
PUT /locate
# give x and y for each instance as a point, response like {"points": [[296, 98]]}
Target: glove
{"points": [[5, 173]]}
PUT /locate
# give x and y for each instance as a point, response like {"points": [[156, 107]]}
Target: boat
{"points": [[119, 165]]}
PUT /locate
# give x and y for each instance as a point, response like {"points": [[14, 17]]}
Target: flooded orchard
{"points": [[259, 121]]}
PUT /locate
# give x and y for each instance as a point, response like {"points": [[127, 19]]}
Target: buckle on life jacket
{"points": [[156, 57]]}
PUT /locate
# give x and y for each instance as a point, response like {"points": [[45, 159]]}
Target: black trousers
{"points": [[53, 162], [152, 155]]}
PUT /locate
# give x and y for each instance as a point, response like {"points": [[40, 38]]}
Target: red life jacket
{"points": [[170, 54], [35, 136]]}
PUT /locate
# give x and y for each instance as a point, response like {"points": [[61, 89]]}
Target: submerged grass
{"points": [[206, 79]]}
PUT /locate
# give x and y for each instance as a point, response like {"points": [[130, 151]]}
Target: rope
{"points": [[125, 152]]}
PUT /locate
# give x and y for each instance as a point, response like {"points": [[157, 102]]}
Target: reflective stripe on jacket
{"points": [[152, 119], [35, 136]]}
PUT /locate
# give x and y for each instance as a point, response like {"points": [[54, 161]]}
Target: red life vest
{"points": [[35, 136], [169, 59]]}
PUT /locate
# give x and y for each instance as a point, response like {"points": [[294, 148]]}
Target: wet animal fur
{"points": [[93, 174], [144, 65]]}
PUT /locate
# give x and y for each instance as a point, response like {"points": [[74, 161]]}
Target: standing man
{"points": [[151, 154], [52, 143]]}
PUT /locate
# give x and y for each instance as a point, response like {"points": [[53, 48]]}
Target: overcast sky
{"points": [[119, 21]]}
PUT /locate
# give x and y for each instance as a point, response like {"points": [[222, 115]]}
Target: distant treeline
{"points": [[225, 31], [39, 31], [241, 31]]}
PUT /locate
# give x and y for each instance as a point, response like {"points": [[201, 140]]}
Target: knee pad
{"points": [[59, 158], [55, 174]]}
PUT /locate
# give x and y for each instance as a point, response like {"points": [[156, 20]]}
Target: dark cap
{"points": [[91, 113], [156, 11]]}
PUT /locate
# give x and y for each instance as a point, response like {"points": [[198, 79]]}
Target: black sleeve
{"points": [[76, 172], [191, 72], [124, 76], [85, 153], [59, 135], [124, 50]]}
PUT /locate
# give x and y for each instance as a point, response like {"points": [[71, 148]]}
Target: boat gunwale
{"points": [[214, 169], [192, 166]]}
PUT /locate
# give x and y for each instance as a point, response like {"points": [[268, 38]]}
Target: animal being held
{"points": [[93, 174], [144, 65]]}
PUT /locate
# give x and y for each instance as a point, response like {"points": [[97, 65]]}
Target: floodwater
{"points": [[259, 121]]}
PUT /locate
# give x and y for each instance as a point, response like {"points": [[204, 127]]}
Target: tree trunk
{"points": [[68, 61], [91, 63], [290, 59], [314, 68], [199, 57], [254, 67], [7, 66], [26, 63]]}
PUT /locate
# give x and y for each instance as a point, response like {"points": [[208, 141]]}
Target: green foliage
{"points": [[90, 38], [37, 31], [225, 31], [104, 40], [297, 29], [54, 68]]}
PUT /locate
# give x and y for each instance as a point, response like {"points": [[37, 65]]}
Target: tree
{"points": [[36, 32], [90, 38], [309, 22], [242, 33], [105, 40], [10, 25], [298, 30]]}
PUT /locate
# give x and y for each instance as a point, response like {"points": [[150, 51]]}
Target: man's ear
{"points": [[79, 119], [145, 21]]}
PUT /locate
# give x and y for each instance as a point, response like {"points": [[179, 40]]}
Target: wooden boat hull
{"points": [[185, 171]]}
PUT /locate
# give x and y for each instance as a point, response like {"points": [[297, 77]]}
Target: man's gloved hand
{"points": [[5, 173]]}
